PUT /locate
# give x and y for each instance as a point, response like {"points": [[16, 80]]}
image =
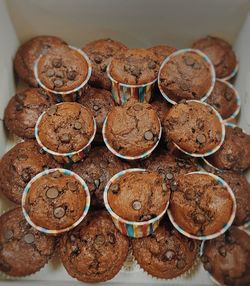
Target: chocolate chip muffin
{"points": [[234, 153], [195, 127], [62, 69], [134, 67], [161, 106], [224, 99], [241, 188], [201, 205], [100, 102], [221, 54], [23, 249], [97, 169], [28, 53], [166, 253], [101, 53], [66, 127], [24, 109], [95, 250], [227, 258], [138, 195], [162, 52], [55, 201], [19, 165], [133, 129], [186, 75]]}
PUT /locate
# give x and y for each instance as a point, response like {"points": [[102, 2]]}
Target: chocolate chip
{"points": [[22, 157], [151, 65], [228, 95], [52, 193], [207, 266], [181, 164], [52, 110], [59, 212], [72, 186], [65, 138], [191, 245], [96, 107], [58, 82], [57, 62], [41, 151], [136, 205], [50, 73], [114, 188], [148, 135], [169, 176], [71, 75], [230, 239], [111, 238], [222, 251], [100, 240], [201, 138], [180, 264], [19, 107], [8, 235], [135, 71], [78, 125], [173, 186], [184, 86], [26, 176], [169, 255], [199, 218], [103, 68], [200, 123], [56, 174], [97, 183], [204, 259], [189, 61], [137, 107], [164, 187], [75, 250], [98, 59], [29, 238], [72, 238]]}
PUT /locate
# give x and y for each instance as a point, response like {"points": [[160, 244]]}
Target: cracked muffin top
{"points": [[95, 250], [187, 75], [134, 66], [55, 201], [23, 249], [66, 127], [132, 129], [138, 195], [200, 205], [162, 51], [24, 109]]}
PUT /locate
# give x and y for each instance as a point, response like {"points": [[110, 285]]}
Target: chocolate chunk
{"points": [[173, 186], [180, 264], [71, 75], [65, 138], [59, 212], [114, 188], [78, 125], [57, 62], [19, 107], [52, 110], [8, 235], [75, 250], [137, 107], [201, 138], [230, 239], [148, 135], [136, 205], [111, 238], [58, 82], [207, 266], [26, 176], [97, 183], [50, 73], [52, 193], [72, 186], [151, 65], [169, 176], [56, 174], [169, 255], [96, 107], [199, 218], [103, 68], [100, 240], [189, 61], [222, 251], [98, 59], [29, 238]]}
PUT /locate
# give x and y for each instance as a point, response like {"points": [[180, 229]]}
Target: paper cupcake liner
{"points": [[131, 228], [225, 227], [70, 157], [130, 265], [138, 157], [84, 210], [210, 152], [62, 95], [232, 74], [183, 51], [122, 92]]}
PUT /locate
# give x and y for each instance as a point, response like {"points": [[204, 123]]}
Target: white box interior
{"points": [[137, 23]]}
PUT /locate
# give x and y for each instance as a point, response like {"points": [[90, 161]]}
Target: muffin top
{"points": [[234, 153], [55, 201], [132, 129], [62, 69], [223, 98], [166, 253], [95, 250], [201, 206], [220, 52], [194, 127], [23, 110], [138, 195], [101, 53], [162, 51], [187, 75], [23, 249], [227, 257], [66, 127], [19, 165], [134, 67]]}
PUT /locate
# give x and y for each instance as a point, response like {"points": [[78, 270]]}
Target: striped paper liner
{"points": [[131, 228], [225, 227], [232, 74], [70, 157], [183, 51], [84, 210]]}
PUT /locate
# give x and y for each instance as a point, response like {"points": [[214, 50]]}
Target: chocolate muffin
{"points": [[55, 201], [19, 165], [24, 109], [100, 102], [138, 196], [227, 258], [162, 51], [66, 127], [96, 170], [221, 54], [62, 69], [195, 127], [95, 250], [28, 53], [161, 106], [134, 67], [101, 53], [241, 188], [234, 153], [23, 249], [186, 75], [132, 129], [201, 205], [224, 99], [166, 253]]}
